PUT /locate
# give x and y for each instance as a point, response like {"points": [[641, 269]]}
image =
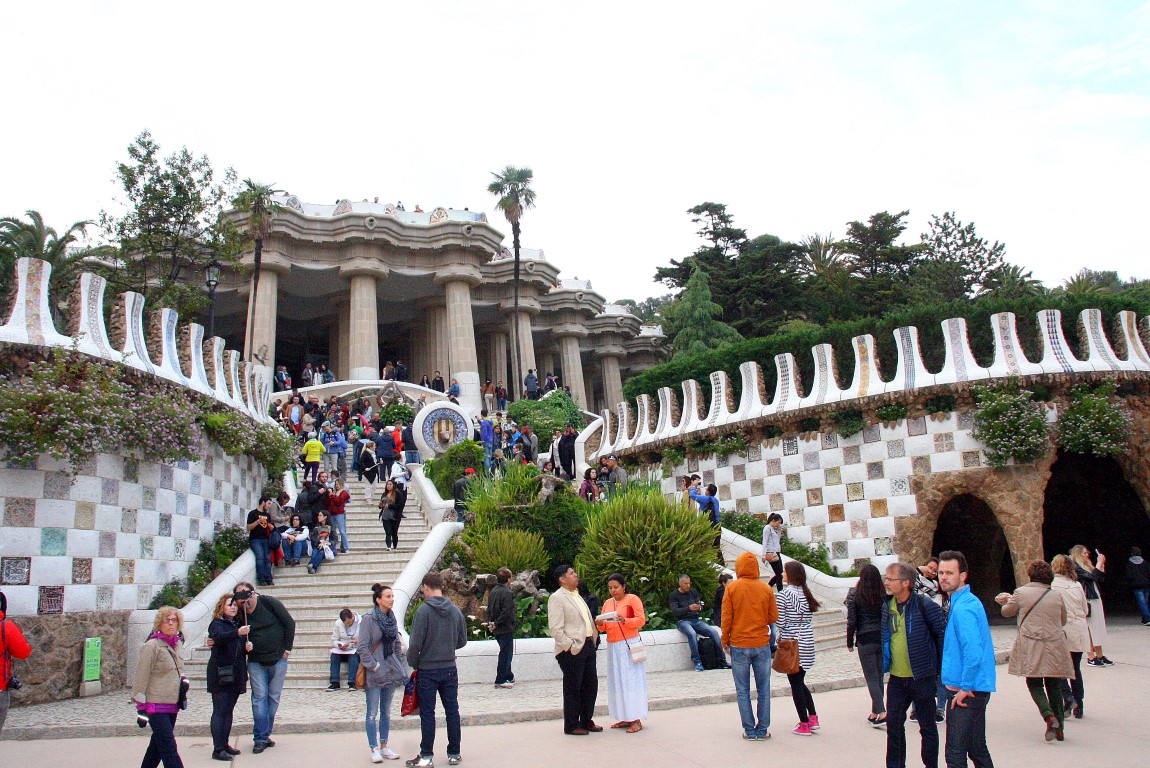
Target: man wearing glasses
{"points": [[913, 629], [272, 635]]}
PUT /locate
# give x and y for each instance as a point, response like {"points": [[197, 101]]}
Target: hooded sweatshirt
{"points": [[437, 631], [749, 606], [1138, 572]]}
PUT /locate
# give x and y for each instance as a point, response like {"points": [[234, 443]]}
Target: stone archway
{"points": [[967, 524], [1014, 494]]}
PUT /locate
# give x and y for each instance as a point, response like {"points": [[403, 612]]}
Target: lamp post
{"points": [[212, 279]]}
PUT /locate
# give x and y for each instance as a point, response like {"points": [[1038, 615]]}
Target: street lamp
{"points": [[212, 279]]}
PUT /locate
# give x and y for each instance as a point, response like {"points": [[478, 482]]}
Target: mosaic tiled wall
{"points": [[110, 538], [841, 492]]}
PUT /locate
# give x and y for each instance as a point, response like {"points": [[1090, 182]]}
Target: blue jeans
{"points": [[966, 732], [444, 682], [162, 747], [503, 673], [317, 557], [352, 665], [294, 550], [267, 684], [1142, 597], [341, 526], [743, 660], [412, 457], [263, 559], [900, 693], [692, 628], [378, 707]]}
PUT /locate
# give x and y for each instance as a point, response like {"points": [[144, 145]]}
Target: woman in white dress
{"points": [[1090, 575], [626, 678]]}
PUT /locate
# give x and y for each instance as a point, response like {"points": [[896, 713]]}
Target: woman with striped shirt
{"points": [[796, 604]]}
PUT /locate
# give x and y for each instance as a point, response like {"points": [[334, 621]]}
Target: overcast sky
{"points": [[1031, 119]]}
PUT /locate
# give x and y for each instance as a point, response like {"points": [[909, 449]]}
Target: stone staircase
{"points": [[316, 600]]}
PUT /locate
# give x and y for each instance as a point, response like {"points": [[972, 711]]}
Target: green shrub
{"points": [[650, 541], [230, 431], [397, 411], [773, 431], [939, 404], [1010, 424], [849, 422], [1093, 422], [547, 415], [172, 594], [510, 548], [275, 449], [229, 543], [816, 556], [743, 524], [444, 471], [673, 456], [512, 501], [895, 411], [455, 550]]}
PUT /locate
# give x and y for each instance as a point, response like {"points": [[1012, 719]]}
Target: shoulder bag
{"points": [[361, 673], [637, 650], [787, 657]]}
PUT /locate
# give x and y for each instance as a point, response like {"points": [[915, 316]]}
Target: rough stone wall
{"points": [[1135, 462], [1014, 494], [55, 668]]}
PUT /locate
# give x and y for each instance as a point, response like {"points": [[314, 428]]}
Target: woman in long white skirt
{"points": [[626, 678]]}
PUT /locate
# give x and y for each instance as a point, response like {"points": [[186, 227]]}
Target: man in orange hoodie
{"points": [[12, 646], [749, 610]]}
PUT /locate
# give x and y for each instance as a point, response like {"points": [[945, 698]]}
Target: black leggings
{"points": [[804, 702], [1074, 686], [777, 566], [223, 705], [391, 533]]}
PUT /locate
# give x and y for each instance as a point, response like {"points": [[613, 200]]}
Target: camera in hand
{"points": [[14, 683]]}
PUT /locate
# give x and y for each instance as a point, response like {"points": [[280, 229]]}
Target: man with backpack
{"points": [[913, 629], [709, 505], [686, 607]]}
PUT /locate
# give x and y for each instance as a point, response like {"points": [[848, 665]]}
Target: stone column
{"points": [[497, 346], [464, 364], [573, 368], [526, 357], [262, 352], [441, 340], [612, 380], [363, 272], [343, 342], [546, 364]]}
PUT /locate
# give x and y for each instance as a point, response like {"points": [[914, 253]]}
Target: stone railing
{"points": [[158, 347], [631, 428]]}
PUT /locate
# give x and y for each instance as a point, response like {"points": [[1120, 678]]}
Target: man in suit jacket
{"points": [[576, 640]]}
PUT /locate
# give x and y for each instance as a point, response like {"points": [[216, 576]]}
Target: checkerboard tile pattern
{"points": [[844, 492], [114, 534]]}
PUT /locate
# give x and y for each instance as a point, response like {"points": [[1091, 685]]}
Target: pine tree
{"points": [[696, 319]]}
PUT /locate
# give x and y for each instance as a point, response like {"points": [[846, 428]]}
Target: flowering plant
{"points": [[1010, 424], [1094, 422]]}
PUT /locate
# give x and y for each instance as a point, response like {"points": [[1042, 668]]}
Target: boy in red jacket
{"points": [[12, 645]]}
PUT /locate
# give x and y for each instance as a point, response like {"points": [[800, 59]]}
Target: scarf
{"points": [[169, 640], [388, 630]]}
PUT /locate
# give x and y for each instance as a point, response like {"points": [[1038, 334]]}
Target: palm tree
{"points": [[1084, 284], [822, 257], [513, 188], [1010, 281], [34, 239], [256, 200]]}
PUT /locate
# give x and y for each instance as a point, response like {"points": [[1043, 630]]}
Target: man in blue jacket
{"points": [[967, 666], [912, 641]]}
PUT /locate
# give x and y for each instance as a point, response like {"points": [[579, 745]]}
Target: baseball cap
{"points": [[469, 471]]}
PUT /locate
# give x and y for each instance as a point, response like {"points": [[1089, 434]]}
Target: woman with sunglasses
{"points": [[160, 689]]}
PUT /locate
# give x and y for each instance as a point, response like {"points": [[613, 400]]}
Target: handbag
{"points": [[328, 552], [410, 696], [637, 650], [786, 658], [361, 673]]}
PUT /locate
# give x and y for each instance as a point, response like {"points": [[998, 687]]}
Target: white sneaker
{"points": [[376, 757], [388, 753]]}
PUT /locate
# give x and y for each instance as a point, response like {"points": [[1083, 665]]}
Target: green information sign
{"points": [[92, 659]]}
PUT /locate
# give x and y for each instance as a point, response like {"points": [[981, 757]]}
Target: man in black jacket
{"points": [[686, 607], [1138, 576], [272, 635], [567, 451], [501, 620], [913, 629]]}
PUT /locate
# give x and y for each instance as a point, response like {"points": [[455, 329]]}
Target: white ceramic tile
{"points": [[51, 571], [83, 543]]}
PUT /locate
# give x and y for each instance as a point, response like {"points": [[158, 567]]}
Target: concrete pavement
{"points": [[1113, 730]]}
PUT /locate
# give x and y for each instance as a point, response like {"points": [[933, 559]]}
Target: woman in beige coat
{"points": [[1077, 632], [160, 689], [1039, 653]]}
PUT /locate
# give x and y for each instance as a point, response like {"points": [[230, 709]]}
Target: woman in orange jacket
{"points": [[626, 678]]}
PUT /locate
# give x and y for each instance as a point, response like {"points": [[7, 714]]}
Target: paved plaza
{"points": [[687, 727]]}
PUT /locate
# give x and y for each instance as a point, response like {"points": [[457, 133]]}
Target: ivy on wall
{"points": [[71, 407], [1093, 422]]}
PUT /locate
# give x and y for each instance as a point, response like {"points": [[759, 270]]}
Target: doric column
{"points": [[262, 352], [526, 356], [573, 368], [546, 363], [612, 381], [363, 272], [497, 347], [339, 365], [460, 333]]}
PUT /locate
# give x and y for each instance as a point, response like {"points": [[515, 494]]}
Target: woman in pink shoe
{"points": [[796, 604]]}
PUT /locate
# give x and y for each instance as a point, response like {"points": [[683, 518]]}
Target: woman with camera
{"points": [[227, 672], [12, 646], [160, 690]]}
